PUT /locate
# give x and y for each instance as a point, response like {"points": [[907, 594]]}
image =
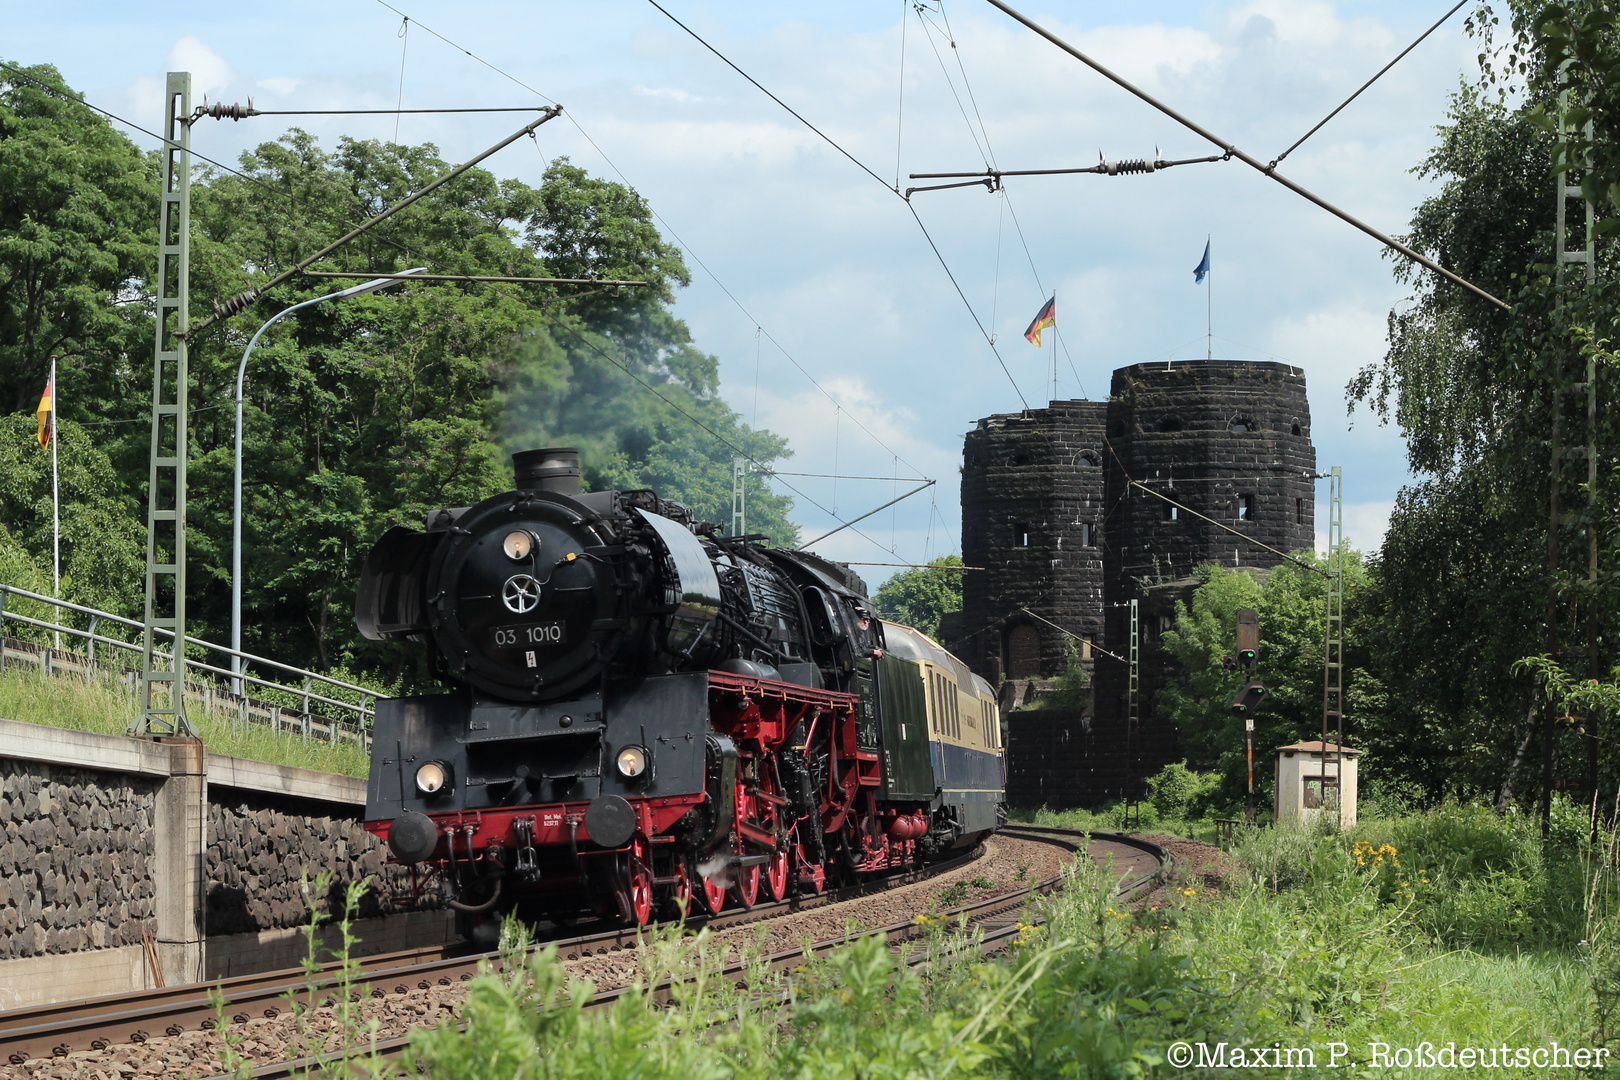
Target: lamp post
{"points": [[236, 513]]}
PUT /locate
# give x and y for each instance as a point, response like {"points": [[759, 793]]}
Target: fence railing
{"points": [[318, 713]]}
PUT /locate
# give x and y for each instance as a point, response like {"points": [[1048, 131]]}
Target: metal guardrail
{"points": [[345, 720]]}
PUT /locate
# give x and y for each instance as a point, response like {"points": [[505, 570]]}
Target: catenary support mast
{"points": [[163, 675]]}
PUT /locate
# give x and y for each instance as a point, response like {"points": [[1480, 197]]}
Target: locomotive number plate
{"points": [[528, 635]]}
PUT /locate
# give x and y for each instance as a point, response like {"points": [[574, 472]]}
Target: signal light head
{"points": [[1248, 699]]}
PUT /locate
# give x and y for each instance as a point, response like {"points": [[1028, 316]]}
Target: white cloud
{"points": [[670, 92], [210, 74], [1364, 526], [831, 263]]}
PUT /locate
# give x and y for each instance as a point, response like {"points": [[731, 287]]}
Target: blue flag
{"points": [[1203, 267]]}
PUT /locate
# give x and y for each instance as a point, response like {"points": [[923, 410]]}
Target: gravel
{"points": [[1007, 864]]}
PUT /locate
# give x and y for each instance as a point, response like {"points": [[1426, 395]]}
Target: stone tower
{"points": [[1034, 481], [1054, 509]]}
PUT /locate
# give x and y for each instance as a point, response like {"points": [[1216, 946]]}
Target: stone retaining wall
{"points": [[75, 859], [259, 850], [129, 862]]}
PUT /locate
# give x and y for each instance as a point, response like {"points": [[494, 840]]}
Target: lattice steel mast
{"points": [[1333, 646], [1564, 257], [163, 676]]}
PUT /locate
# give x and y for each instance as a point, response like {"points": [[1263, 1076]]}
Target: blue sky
{"points": [[809, 253]]}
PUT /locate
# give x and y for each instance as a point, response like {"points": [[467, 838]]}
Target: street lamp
{"points": [[236, 515]]}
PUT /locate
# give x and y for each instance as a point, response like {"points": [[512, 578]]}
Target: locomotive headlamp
{"points": [[631, 762], [432, 777], [517, 545]]}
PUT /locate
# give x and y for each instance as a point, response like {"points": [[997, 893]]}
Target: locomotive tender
{"points": [[648, 711]]}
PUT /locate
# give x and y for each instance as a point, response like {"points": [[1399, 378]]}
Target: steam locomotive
{"points": [[647, 713]]}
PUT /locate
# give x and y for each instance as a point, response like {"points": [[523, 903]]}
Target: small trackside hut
{"points": [[1313, 777]]}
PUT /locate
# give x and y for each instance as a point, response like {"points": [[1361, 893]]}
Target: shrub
{"points": [[1178, 792]]}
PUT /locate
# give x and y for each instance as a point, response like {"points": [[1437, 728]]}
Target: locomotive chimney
{"points": [[555, 469]]}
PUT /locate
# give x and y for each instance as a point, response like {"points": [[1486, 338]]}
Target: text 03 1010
{"points": [[527, 635]]}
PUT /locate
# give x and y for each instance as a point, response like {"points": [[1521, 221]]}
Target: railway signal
{"points": [[1248, 638], [1247, 700]]}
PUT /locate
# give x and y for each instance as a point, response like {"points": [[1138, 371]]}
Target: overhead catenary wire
{"points": [[1087, 641], [1249, 159], [921, 487], [984, 148], [404, 36], [250, 295], [507, 279], [912, 565], [1321, 123], [992, 164], [992, 177], [862, 166], [221, 111]]}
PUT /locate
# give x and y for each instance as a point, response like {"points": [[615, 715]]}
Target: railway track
{"points": [[59, 1030], [996, 919]]}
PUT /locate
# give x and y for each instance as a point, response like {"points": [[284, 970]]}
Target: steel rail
{"points": [[977, 913], [55, 1030]]}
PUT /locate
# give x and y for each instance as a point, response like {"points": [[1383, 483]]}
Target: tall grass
{"points": [[108, 707]]}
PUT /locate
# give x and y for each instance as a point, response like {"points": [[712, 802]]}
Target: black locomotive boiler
{"points": [[644, 710]]}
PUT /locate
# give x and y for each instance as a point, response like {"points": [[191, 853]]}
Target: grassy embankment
{"points": [[1452, 926], [108, 707]]}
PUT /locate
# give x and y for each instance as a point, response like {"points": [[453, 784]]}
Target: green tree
{"points": [[919, 597], [360, 414], [1463, 574], [78, 227], [103, 544], [1291, 604]]}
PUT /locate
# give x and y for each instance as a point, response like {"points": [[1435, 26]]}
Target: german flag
{"points": [[44, 412], [1046, 317]]}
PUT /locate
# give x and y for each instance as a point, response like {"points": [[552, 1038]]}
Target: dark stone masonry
{"points": [[74, 852], [1062, 507], [258, 849]]}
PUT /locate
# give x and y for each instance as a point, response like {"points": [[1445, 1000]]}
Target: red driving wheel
{"points": [[709, 892], [640, 880], [776, 871], [745, 886], [683, 892], [745, 880]]}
